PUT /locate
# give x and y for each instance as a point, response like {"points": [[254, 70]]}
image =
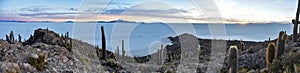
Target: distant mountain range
{"points": [[119, 21]]}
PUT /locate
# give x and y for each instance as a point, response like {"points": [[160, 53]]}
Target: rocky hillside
{"points": [[251, 55], [46, 51]]}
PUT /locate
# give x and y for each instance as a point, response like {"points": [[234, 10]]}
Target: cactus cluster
{"points": [[271, 53], [233, 59], [10, 39], [67, 42], [39, 63]]}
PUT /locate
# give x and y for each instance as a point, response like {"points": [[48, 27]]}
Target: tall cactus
{"points": [[271, 53], [281, 43], [20, 38], [158, 56], [12, 37], [242, 46], [233, 59], [103, 43], [297, 70], [7, 38], [296, 22], [123, 51], [67, 35], [161, 54], [117, 53], [170, 58]]}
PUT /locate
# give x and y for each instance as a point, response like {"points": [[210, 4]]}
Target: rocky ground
{"points": [[208, 55], [46, 51]]}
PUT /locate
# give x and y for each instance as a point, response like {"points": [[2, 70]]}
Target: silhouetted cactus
{"points": [[271, 53], [20, 38], [233, 59], [281, 43], [123, 50], [296, 22], [7, 38], [10, 39], [103, 43], [68, 34]]}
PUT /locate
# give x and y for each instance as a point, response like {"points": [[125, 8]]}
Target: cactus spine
{"points": [[233, 59], [103, 43], [271, 53], [281, 43]]}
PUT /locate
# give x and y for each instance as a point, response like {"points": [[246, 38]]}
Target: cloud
{"points": [[72, 9], [36, 9], [279, 1], [45, 14]]}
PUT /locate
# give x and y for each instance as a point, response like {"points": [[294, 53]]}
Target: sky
{"points": [[169, 11]]}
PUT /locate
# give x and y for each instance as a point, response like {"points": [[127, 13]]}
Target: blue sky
{"points": [[177, 11]]}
